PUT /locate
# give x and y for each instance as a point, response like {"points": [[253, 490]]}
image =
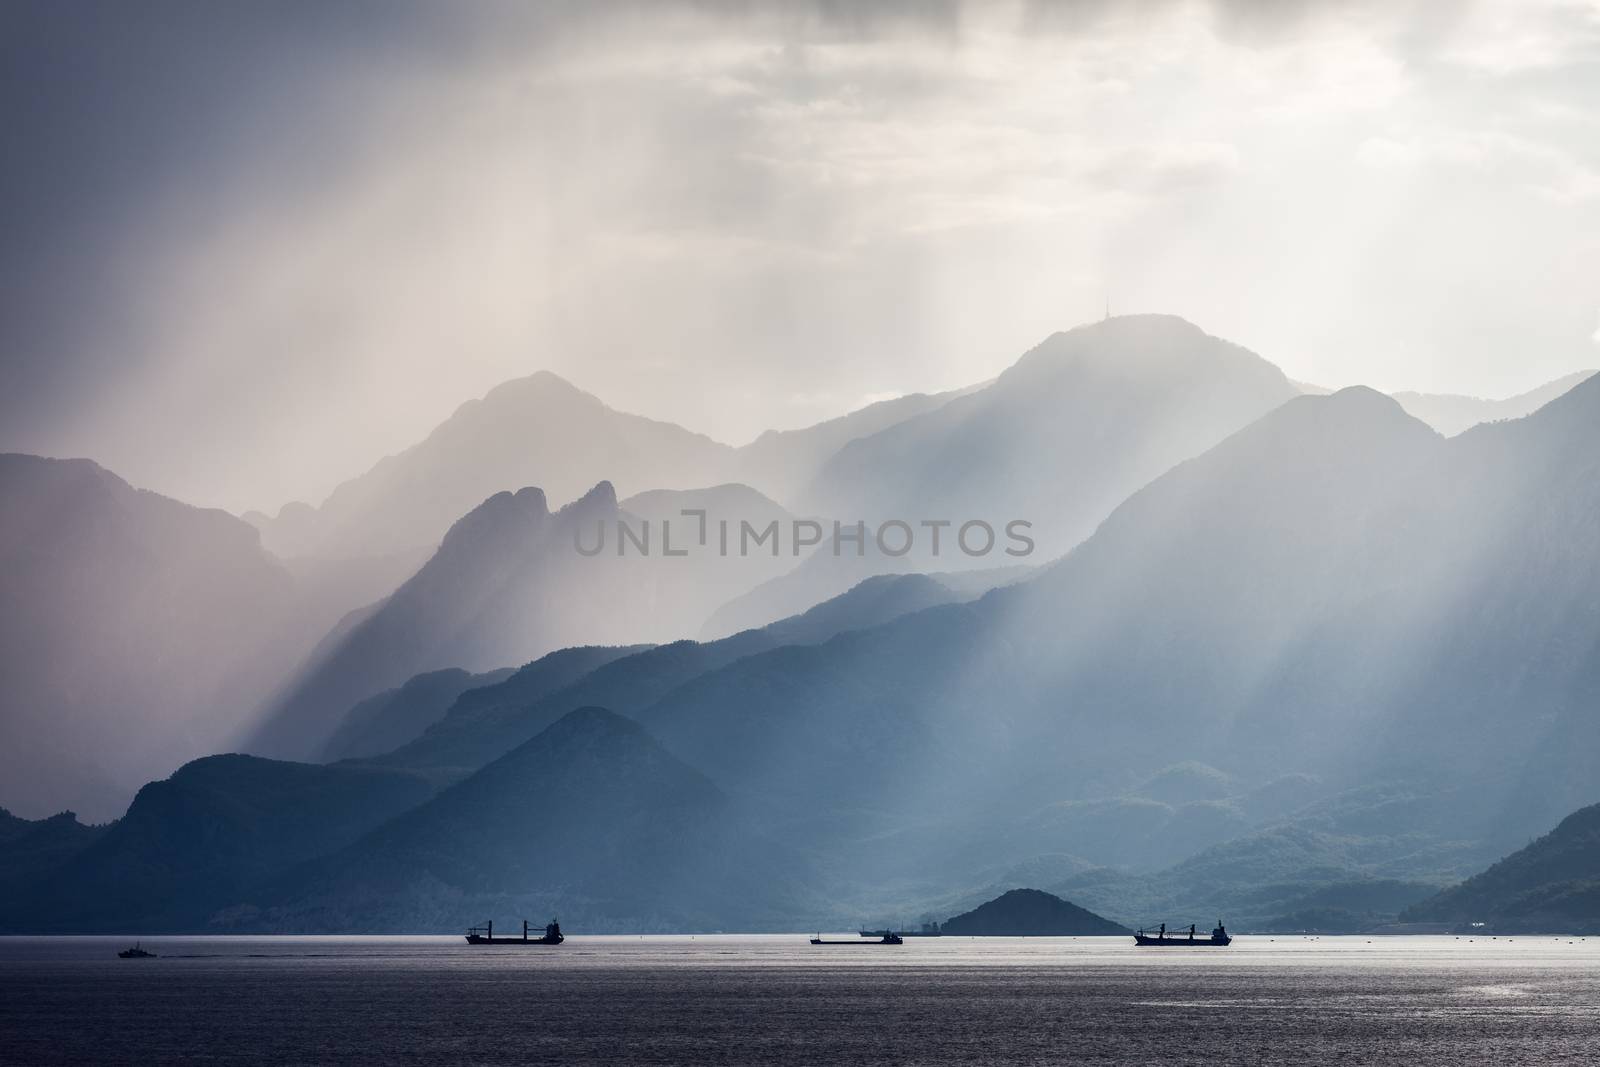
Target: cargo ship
{"points": [[888, 938], [484, 935], [1183, 939], [928, 930]]}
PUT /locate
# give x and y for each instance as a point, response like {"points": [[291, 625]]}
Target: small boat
{"points": [[1218, 939], [484, 935], [888, 938], [137, 952]]}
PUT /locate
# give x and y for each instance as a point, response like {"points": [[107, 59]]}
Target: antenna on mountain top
{"points": [[1108, 310]]}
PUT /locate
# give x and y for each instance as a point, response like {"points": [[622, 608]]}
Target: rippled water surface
{"points": [[778, 999]]}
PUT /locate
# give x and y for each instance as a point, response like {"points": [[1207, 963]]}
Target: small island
{"points": [[1030, 913]]}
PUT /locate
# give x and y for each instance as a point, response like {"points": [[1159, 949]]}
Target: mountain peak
{"points": [[1362, 397], [570, 753], [1343, 410], [1145, 326], [1031, 913], [1145, 321], [590, 720], [603, 497], [1350, 428], [526, 505], [1163, 348], [541, 384]]}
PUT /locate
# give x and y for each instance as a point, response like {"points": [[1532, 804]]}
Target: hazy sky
{"points": [[250, 250]]}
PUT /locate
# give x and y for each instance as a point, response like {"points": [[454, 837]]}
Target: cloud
{"points": [[1506, 38], [243, 272], [1168, 168]]}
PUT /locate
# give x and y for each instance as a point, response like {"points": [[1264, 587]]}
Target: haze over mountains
{"points": [[642, 840], [1064, 435], [1552, 884], [1451, 414], [1295, 641], [480, 724], [505, 587], [534, 431], [135, 632], [1183, 391], [542, 431], [512, 581], [179, 878]]}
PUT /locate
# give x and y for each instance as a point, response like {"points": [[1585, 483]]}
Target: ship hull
{"points": [[479, 939]]}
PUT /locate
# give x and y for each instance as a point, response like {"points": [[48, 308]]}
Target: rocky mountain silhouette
{"points": [[591, 820], [1030, 913], [539, 430], [1552, 886], [512, 581], [1061, 437]]}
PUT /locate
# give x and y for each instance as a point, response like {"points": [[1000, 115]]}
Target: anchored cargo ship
{"points": [[484, 935], [928, 930], [888, 938], [1218, 939]]}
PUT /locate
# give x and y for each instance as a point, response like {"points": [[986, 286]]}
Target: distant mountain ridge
{"points": [[135, 632], [202, 840], [1313, 596], [783, 463], [1552, 886], [483, 722], [542, 430], [212, 846], [395, 716], [1450, 414], [1061, 437], [462, 609], [32, 849], [1267, 676], [607, 829], [539, 430], [512, 581]]}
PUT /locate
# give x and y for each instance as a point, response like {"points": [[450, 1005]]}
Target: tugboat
{"points": [[137, 952], [889, 938], [1218, 939], [484, 935]]}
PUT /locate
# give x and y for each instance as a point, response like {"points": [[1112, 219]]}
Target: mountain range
{"points": [[1451, 413], [1552, 885], [591, 819], [539, 430], [1061, 437], [393, 717], [513, 580], [227, 842], [1319, 595], [1299, 655]]}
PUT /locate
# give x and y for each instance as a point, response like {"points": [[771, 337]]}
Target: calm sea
{"points": [[778, 1000]]}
